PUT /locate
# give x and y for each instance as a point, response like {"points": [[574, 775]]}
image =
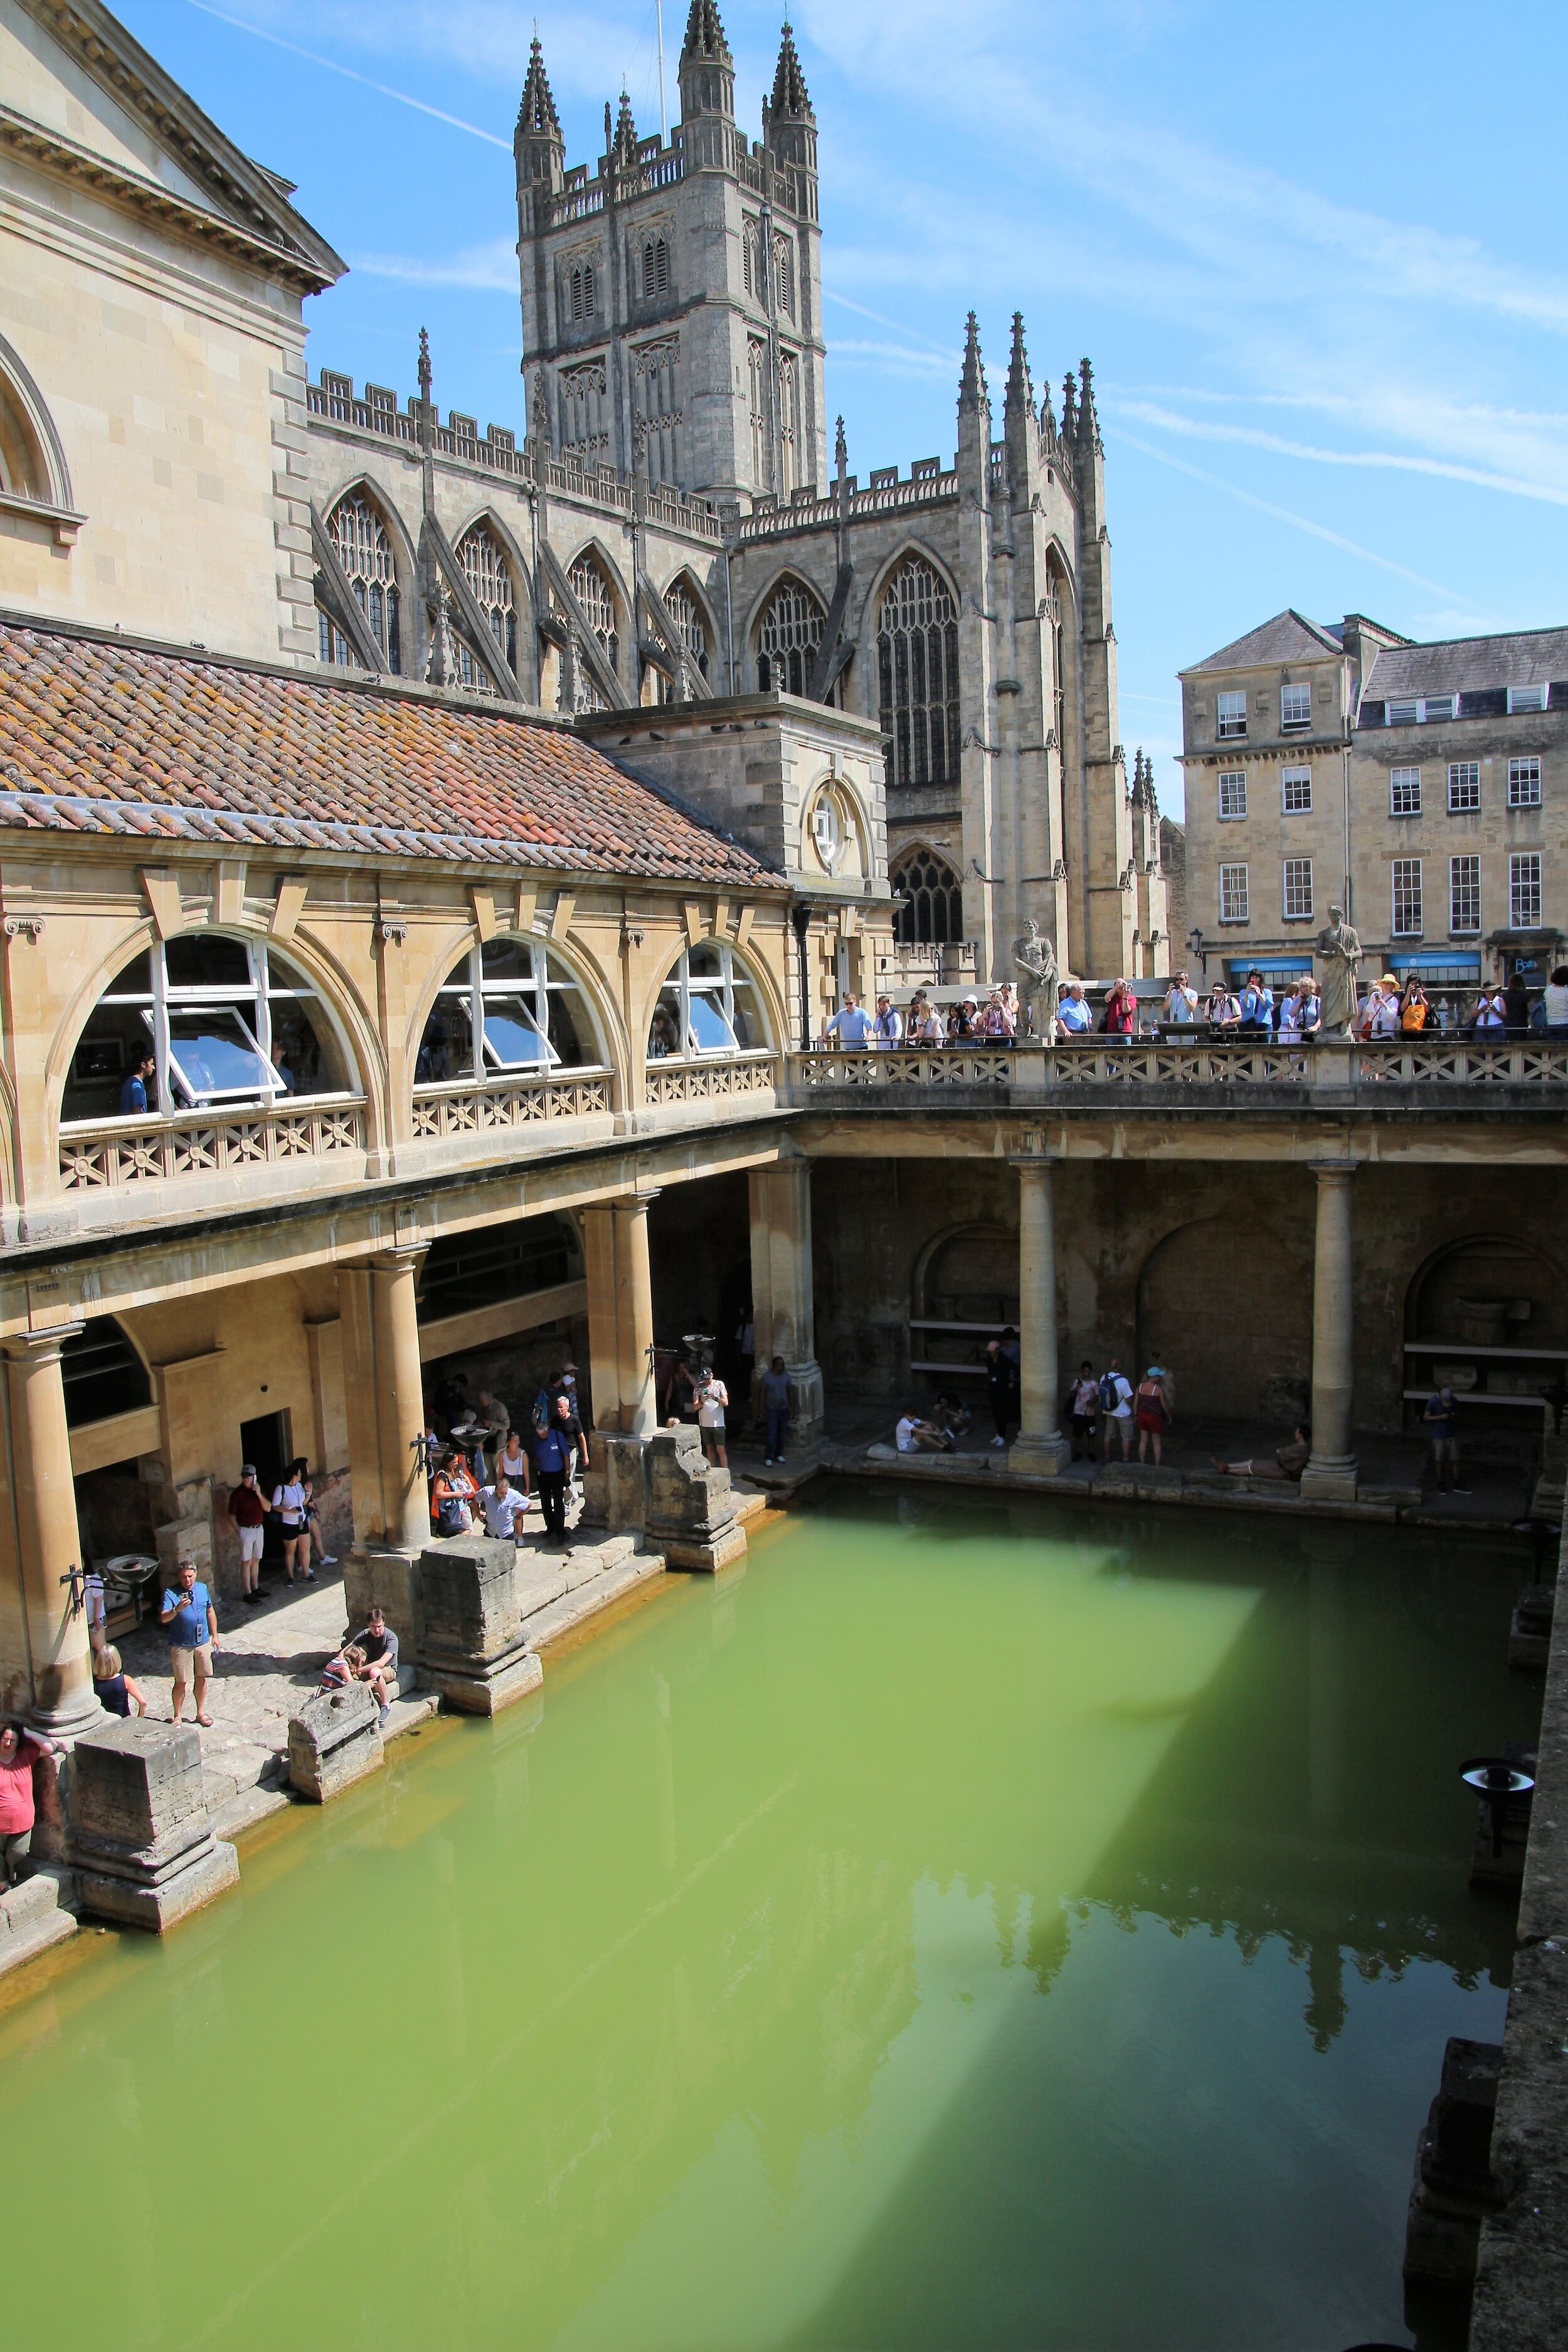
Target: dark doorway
{"points": [[264, 1441]]}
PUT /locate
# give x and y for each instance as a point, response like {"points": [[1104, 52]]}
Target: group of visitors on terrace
{"points": [[1391, 1007]]}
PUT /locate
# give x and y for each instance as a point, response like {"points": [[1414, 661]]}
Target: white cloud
{"points": [[1254, 438], [491, 267]]}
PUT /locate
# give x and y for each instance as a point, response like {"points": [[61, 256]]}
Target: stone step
{"points": [[559, 1616], [33, 1916], [751, 1503]]}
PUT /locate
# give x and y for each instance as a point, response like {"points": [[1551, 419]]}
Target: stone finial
{"points": [[1069, 406], [972, 389], [536, 117], [705, 33], [789, 98], [1088, 421], [1020, 390], [626, 139], [840, 451], [425, 378], [610, 133], [540, 413]]}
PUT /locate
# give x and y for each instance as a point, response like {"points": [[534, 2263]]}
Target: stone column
{"points": [[400, 1401], [782, 1304], [1040, 1445], [620, 1342], [1331, 1474], [48, 1543], [634, 1315], [356, 1307]]}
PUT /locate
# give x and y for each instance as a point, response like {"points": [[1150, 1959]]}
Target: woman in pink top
{"points": [[19, 1751]]}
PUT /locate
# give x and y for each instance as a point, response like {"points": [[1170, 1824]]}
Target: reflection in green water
{"points": [[973, 1925]]}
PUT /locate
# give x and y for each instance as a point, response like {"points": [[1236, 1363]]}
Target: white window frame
{"points": [[1239, 898], [1465, 893], [487, 1067], [1231, 726], [1296, 725], [1408, 709], [1526, 698], [1232, 777], [1523, 770], [1524, 878], [1439, 706], [722, 989], [1297, 777], [1294, 869], [1464, 775], [1406, 781], [1414, 899]]}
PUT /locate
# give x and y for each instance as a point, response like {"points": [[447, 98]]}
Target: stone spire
{"points": [[1088, 422], [1069, 407], [1048, 420], [1020, 390], [536, 117], [791, 96], [971, 388], [623, 148], [705, 33]]}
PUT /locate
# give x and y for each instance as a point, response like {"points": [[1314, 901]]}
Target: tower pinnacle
{"points": [[971, 389], [791, 96], [705, 33], [1020, 390], [536, 117]]}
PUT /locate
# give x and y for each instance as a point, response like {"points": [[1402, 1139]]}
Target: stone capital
{"points": [[44, 1347]]}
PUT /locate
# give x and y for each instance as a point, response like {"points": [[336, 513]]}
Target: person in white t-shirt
{"points": [[713, 1397], [288, 1501], [505, 1506], [1116, 1407], [913, 1435]]}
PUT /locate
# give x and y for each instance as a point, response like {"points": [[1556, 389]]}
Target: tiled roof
{"points": [[1288, 636], [100, 735], [1469, 664]]}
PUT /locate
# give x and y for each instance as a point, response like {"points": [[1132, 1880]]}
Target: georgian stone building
{"points": [[671, 527]]}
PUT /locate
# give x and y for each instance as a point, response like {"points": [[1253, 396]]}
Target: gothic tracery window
{"points": [[655, 267], [686, 615], [789, 638], [783, 275], [750, 274], [789, 421], [757, 360], [580, 290], [932, 894], [360, 543], [597, 601], [917, 673], [656, 402], [487, 574], [584, 411]]}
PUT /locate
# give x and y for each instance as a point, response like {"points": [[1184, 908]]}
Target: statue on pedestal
{"points": [[1340, 949], [1039, 984]]}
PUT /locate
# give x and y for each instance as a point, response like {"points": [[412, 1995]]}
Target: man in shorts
{"points": [[192, 1620], [247, 1508], [1438, 1420], [377, 1645]]}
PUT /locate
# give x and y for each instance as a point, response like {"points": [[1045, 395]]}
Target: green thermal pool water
{"points": [[971, 1925]]}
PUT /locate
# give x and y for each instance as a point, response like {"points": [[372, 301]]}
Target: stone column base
{"points": [[612, 1484], [728, 1545], [383, 1578], [333, 1741], [1041, 1457], [1330, 1480], [487, 1689], [161, 1901]]}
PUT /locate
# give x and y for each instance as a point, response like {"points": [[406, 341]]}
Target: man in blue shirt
{"points": [[134, 1089], [192, 1620], [853, 1025], [1438, 1417], [552, 1460], [1073, 1013], [1257, 1007]]}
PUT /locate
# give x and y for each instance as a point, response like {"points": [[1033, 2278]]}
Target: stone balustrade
{"points": [[111, 1154], [1400, 1068]]}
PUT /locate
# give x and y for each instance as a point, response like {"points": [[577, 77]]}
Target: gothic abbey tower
{"points": [[673, 530]]}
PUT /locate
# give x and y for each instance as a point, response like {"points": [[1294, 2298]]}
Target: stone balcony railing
{"points": [[719, 1080], [1402, 1072], [464, 1109], [112, 1154]]}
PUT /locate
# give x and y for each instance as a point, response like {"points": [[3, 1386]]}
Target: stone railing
{"points": [[1033, 1070], [468, 1109], [112, 1153], [813, 510], [678, 1082]]}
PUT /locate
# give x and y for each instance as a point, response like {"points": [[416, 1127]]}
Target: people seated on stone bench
{"points": [[950, 1412], [1289, 1462], [913, 1435], [377, 1647]]}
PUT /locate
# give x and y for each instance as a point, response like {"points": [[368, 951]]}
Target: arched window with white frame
{"points": [[917, 676], [227, 1022], [789, 638], [509, 1008], [364, 548], [708, 1005]]}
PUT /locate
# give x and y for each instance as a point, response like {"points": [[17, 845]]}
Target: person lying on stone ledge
{"points": [[1289, 1462], [916, 1436]]}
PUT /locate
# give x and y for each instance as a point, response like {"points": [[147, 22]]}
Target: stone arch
{"points": [[1226, 1302], [797, 658], [750, 967], [593, 553], [524, 659], [1473, 1289], [32, 455], [610, 1035], [913, 546], [397, 634], [354, 1027], [968, 1273], [934, 889]]}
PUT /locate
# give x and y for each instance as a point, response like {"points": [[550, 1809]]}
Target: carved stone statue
{"points": [[1339, 951], [1039, 984]]}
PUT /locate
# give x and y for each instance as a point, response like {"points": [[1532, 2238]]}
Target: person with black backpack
{"points": [[1116, 1407]]}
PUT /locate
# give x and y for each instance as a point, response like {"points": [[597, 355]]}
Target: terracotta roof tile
{"points": [[101, 736]]}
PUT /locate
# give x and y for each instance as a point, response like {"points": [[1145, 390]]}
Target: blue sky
{"points": [[1316, 260]]}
